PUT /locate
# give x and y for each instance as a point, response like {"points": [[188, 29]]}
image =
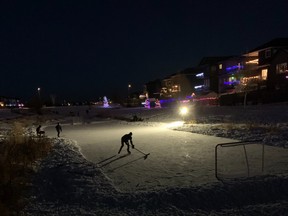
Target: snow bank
{"points": [[67, 184]]}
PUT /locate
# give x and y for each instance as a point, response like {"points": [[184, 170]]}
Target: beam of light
{"points": [[174, 124]]}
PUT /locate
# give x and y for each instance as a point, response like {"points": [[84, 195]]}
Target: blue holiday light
{"points": [[234, 67]]}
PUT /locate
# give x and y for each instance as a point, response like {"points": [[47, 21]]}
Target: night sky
{"points": [[80, 50]]}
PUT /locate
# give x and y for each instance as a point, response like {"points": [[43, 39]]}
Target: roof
{"points": [[277, 42], [187, 71], [212, 59]]}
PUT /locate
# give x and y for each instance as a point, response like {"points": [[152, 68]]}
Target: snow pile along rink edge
{"points": [[68, 184]]}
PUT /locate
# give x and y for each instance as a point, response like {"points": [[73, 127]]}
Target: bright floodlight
{"points": [[183, 111]]}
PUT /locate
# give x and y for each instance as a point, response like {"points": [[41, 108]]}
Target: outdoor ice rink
{"points": [[177, 158]]}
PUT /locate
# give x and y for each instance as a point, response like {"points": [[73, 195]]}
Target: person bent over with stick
{"points": [[125, 139], [40, 132]]}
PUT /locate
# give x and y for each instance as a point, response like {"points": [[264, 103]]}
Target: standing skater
{"points": [[125, 139], [58, 129]]}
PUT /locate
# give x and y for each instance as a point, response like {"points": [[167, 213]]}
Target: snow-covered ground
{"points": [[68, 184]]}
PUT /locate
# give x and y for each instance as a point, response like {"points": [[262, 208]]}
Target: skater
{"points": [[38, 129], [125, 139], [40, 132], [58, 129]]}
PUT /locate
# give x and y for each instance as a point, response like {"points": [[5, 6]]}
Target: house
{"points": [[272, 63], [181, 84], [263, 67], [263, 72], [278, 71], [236, 72], [209, 67], [10, 102]]}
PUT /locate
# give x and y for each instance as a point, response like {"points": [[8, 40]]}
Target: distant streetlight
{"points": [[39, 103], [38, 89], [129, 86]]}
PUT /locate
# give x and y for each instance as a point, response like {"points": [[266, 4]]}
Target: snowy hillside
{"points": [[67, 184]]}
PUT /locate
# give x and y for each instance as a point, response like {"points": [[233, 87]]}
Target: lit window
{"points": [[264, 73], [176, 88], [220, 66], [254, 61], [281, 68]]}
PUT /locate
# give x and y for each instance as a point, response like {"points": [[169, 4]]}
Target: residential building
{"points": [[209, 67], [278, 76], [235, 73], [181, 84], [272, 63], [10, 102], [261, 68], [264, 68]]}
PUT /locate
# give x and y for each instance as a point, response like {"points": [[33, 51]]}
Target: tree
{"points": [[250, 85]]}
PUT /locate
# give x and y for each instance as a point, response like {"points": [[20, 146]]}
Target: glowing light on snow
{"points": [[174, 124]]}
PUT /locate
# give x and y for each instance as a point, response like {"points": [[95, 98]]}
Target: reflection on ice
{"points": [[174, 124]]}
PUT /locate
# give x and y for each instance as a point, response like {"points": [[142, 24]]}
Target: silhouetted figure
{"points": [[40, 132], [58, 129], [38, 129], [125, 139]]}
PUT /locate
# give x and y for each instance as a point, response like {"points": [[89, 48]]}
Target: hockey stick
{"points": [[145, 155]]}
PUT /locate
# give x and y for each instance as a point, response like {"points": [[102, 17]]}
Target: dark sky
{"points": [[80, 50]]}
